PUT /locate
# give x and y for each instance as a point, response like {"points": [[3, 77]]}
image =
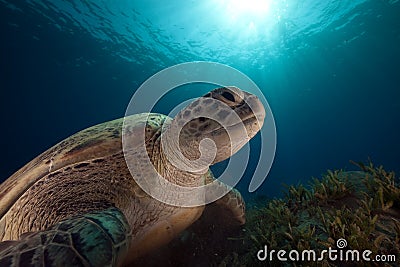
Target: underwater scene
{"points": [[200, 133]]}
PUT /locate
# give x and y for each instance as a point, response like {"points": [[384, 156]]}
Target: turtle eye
{"points": [[228, 96]]}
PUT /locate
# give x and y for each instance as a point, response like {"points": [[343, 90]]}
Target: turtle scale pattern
{"points": [[73, 240]]}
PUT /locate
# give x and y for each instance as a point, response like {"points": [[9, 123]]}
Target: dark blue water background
{"points": [[329, 69]]}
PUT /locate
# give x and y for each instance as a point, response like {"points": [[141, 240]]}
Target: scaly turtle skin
{"points": [[78, 204]]}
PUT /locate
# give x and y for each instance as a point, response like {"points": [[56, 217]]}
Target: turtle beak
{"points": [[252, 113]]}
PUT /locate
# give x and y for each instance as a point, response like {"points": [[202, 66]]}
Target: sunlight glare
{"points": [[248, 7], [248, 18]]}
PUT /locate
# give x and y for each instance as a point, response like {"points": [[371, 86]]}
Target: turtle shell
{"points": [[95, 142]]}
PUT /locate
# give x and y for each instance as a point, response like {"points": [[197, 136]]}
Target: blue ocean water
{"points": [[330, 71]]}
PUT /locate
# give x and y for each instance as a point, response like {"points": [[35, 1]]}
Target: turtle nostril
{"points": [[228, 96]]}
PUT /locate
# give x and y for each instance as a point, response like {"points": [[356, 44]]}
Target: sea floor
{"points": [[358, 210]]}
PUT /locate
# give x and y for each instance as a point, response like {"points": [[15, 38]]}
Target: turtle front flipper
{"points": [[230, 208], [99, 238]]}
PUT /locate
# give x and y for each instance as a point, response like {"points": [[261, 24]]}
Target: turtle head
{"points": [[222, 121]]}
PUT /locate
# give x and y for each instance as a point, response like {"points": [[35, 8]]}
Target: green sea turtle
{"points": [[78, 204]]}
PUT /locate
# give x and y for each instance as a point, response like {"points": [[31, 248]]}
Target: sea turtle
{"points": [[78, 204]]}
